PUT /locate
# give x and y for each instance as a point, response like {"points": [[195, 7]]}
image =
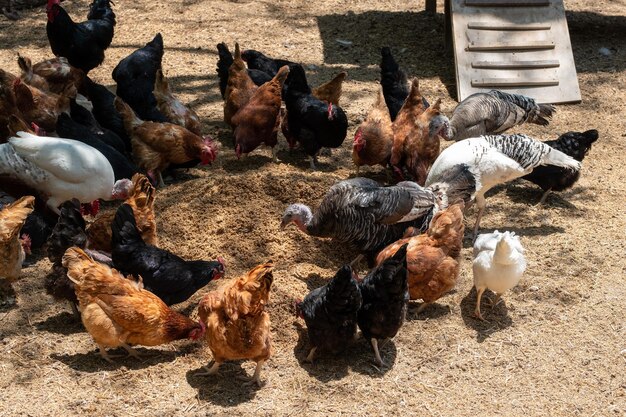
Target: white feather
{"points": [[499, 261], [60, 168]]}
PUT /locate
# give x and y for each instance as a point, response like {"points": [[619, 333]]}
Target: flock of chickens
{"points": [[117, 146]]}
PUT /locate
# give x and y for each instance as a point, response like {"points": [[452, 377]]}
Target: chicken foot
{"points": [[212, 371], [131, 352], [379, 361], [109, 358]]}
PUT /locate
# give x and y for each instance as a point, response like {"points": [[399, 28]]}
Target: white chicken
{"points": [[498, 264], [61, 169], [495, 160]]}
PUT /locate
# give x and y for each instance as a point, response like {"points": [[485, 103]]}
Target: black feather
{"points": [[330, 312]]}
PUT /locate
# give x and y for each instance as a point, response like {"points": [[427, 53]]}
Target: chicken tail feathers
{"points": [[559, 159], [128, 115], [545, 113], [72, 260], [535, 113], [124, 227]]}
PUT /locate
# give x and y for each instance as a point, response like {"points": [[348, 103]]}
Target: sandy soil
{"points": [[555, 347]]}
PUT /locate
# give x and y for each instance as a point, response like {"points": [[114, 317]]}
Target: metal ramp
{"points": [[517, 46]]}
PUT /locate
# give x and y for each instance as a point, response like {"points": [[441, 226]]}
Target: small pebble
{"points": [[533, 288]]}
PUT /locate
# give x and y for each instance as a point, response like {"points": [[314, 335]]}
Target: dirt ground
{"points": [[557, 346]]}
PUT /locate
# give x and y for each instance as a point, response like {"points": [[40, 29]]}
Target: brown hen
{"points": [[432, 257], [238, 327], [54, 75], [141, 199], [257, 122], [423, 143], [40, 107], [331, 91], [404, 127], [8, 105], [172, 108], [374, 138], [118, 312], [13, 248], [239, 89], [157, 145]]}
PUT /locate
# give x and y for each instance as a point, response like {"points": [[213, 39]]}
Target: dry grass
{"points": [[556, 347]]}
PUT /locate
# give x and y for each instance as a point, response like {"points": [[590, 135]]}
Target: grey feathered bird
{"points": [[362, 213], [496, 112], [497, 159]]}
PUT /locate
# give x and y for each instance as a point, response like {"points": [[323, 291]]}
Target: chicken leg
{"points": [[544, 196], [481, 203], [379, 361], [102, 351], [75, 310], [256, 378], [212, 371], [479, 294], [131, 352], [422, 307]]}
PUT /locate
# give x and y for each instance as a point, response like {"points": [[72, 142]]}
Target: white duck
{"points": [[498, 264], [497, 159], [61, 169]]}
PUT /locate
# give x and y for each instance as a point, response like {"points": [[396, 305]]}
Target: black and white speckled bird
{"points": [[496, 112], [362, 213], [551, 178], [497, 159]]}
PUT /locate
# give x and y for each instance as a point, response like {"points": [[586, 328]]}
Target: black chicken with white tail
{"points": [[554, 178]]}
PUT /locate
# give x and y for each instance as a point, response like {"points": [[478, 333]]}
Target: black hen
{"points": [[330, 312], [225, 61], [84, 117], [394, 82], [168, 276], [122, 166], [135, 76], [257, 61], [104, 111], [310, 121], [553, 178], [83, 44], [69, 231], [385, 292]]}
